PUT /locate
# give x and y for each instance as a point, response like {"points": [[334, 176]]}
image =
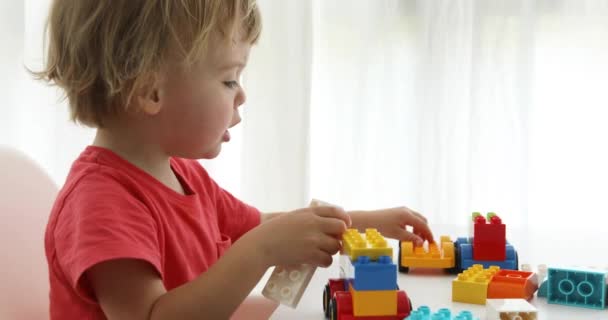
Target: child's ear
{"points": [[149, 96]]}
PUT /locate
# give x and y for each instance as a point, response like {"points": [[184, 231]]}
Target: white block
{"points": [[286, 285], [510, 309]]}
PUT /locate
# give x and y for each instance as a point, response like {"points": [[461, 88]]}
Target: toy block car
{"points": [[367, 288], [430, 255], [488, 247]]}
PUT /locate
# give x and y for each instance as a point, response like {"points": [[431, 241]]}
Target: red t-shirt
{"points": [[110, 209]]}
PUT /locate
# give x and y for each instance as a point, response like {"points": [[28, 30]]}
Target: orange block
{"points": [[435, 256], [374, 303], [513, 284]]}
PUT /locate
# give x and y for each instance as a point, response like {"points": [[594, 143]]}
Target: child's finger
{"points": [[332, 226], [329, 245], [333, 212], [322, 259], [423, 218], [405, 235], [422, 229]]}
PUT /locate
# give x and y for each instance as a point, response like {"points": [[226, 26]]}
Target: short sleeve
{"points": [[102, 220], [236, 217]]}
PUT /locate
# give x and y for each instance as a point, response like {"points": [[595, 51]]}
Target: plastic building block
{"points": [[373, 245], [513, 284], [374, 302], [287, 284], [510, 309], [542, 290], [542, 272], [375, 275], [347, 270], [579, 288], [541, 276], [464, 252], [424, 313], [341, 307], [471, 286], [435, 256], [489, 238]]}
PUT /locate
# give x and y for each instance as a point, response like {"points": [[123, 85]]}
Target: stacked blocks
{"points": [[577, 287], [513, 284], [489, 238], [471, 286], [374, 284], [433, 257], [424, 313], [510, 309]]}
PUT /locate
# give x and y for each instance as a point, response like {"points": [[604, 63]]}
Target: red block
{"points": [[489, 239]]}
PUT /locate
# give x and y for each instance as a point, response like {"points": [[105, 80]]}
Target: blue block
{"points": [[579, 288], [424, 313], [466, 257], [464, 240], [375, 275], [542, 289]]}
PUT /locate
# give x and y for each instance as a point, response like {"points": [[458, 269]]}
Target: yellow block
{"points": [[374, 302], [431, 257], [372, 245], [471, 286]]}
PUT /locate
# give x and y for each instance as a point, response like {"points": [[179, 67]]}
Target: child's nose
{"points": [[241, 97]]}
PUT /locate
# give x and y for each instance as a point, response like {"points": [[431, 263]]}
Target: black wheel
{"points": [[333, 309], [326, 300], [457, 267], [402, 269]]}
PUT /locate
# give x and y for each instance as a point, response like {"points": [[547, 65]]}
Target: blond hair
{"points": [[101, 51]]}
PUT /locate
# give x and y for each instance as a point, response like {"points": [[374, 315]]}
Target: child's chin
{"points": [[212, 154]]}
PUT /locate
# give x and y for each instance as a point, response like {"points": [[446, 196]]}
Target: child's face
{"points": [[199, 105]]}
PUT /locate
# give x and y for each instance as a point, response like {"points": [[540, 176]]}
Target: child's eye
{"points": [[231, 84]]}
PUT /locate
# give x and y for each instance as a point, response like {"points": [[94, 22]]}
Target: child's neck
{"points": [[134, 148]]}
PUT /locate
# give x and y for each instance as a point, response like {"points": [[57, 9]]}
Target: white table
{"points": [[550, 246]]}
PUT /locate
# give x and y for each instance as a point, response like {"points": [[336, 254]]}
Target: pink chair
{"points": [[26, 196]]}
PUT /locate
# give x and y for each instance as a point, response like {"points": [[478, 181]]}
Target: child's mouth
{"points": [[226, 136]]}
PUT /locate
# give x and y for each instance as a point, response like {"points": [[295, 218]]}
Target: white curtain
{"points": [[458, 106], [447, 106]]}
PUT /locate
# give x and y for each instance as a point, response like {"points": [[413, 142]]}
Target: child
{"points": [[140, 230]]}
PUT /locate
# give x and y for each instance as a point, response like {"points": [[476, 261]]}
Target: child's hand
{"points": [[392, 224], [309, 236]]}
